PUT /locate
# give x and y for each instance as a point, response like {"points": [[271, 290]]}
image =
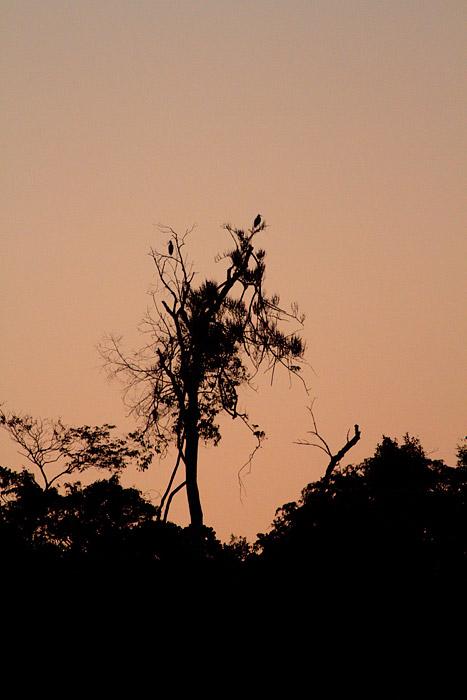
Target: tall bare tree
{"points": [[203, 342]]}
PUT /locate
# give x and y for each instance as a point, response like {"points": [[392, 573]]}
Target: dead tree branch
{"points": [[334, 459]]}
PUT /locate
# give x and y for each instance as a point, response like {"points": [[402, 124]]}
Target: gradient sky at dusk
{"points": [[341, 121]]}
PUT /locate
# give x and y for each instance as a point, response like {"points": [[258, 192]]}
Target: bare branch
{"points": [[322, 445]]}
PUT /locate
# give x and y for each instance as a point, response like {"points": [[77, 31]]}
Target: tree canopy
{"points": [[56, 450], [396, 514]]}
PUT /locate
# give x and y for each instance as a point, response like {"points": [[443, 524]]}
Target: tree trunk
{"points": [[191, 468], [191, 471]]}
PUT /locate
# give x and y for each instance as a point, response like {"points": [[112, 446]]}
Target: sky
{"points": [[342, 122]]}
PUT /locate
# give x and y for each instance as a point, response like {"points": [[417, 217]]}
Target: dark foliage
{"points": [[395, 517], [88, 528]]}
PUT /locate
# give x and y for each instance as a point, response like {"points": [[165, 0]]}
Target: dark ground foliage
{"points": [[399, 516], [376, 556], [99, 525], [372, 565]]}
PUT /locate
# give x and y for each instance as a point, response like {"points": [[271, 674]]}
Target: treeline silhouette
{"points": [[394, 516]]}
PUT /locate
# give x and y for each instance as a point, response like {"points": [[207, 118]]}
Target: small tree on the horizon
{"points": [[203, 342], [57, 450]]}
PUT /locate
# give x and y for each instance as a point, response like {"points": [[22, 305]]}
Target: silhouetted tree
{"points": [[57, 450], [24, 508], [36, 520], [203, 342], [462, 454], [396, 515], [97, 521]]}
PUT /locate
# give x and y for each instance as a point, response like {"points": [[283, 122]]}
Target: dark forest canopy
{"points": [[396, 513]]}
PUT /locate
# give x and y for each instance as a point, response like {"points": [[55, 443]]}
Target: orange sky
{"points": [[341, 122]]}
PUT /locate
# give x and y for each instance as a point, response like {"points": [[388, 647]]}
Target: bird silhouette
{"points": [[171, 248], [257, 221]]}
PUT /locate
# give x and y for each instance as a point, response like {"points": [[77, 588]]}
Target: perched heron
{"points": [[257, 221], [171, 248]]}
